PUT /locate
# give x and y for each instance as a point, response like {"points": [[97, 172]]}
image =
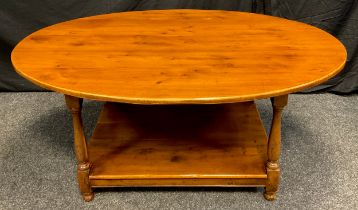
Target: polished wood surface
{"points": [[83, 165], [178, 56], [186, 145], [179, 182], [274, 148]]}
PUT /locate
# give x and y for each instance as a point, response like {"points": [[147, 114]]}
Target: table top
{"points": [[178, 57]]}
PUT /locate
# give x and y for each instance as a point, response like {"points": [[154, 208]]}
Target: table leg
{"points": [[274, 146], [83, 166]]}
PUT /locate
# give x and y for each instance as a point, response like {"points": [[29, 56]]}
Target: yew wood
{"points": [[183, 145], [178, 56], [83, 167], [274, 147], [175, 57]]}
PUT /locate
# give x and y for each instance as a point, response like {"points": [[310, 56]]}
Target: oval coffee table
{"points": [[180, 87]]}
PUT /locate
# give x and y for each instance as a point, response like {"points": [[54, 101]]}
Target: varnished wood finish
{"points": [[83, 166], [274, 147], [179, 56], [188, 182], [182, 145]]}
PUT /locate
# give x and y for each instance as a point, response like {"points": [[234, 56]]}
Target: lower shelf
{"points": [[179, 145]]}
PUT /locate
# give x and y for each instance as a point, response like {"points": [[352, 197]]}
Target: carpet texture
{"points": [[319, 159]]}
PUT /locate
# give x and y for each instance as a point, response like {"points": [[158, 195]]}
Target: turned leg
{"points": [[83, 165], [274, 147]]}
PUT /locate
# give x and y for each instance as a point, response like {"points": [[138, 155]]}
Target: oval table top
{"points": [[178, 56]]}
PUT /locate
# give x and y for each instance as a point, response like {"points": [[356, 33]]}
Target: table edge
{"points": [[152, 101]]}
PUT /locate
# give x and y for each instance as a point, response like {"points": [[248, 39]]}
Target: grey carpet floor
{"points": [[319, 160]]}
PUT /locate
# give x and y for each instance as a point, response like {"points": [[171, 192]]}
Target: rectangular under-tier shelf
{"points": [[178, 145]]}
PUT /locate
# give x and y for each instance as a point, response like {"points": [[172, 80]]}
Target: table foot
{"points": [[270, 196], [88, 196]]}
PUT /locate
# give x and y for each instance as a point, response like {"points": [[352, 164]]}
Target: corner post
{"points": [[274, 147], [83, 165]]}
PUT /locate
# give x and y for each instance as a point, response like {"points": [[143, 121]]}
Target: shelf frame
{"points": [[220, 145]]}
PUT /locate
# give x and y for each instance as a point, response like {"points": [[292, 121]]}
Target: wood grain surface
{"points": [[178, 56], [165, 144]]}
